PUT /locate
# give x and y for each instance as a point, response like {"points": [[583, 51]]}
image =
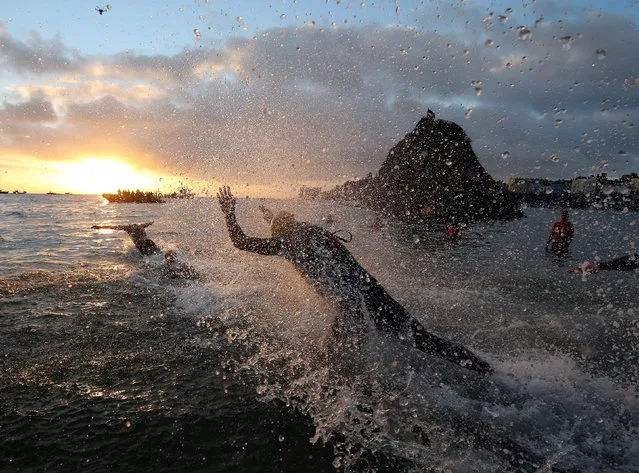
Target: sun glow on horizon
{"points": [[100, 175]]}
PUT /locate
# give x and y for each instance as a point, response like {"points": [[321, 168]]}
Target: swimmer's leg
{"points": [[391, 317], [432, 344]]}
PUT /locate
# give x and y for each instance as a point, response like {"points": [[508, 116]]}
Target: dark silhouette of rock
{"points": [[433, 172]]}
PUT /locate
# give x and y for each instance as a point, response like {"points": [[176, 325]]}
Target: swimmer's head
{"points": [[564, 215], [170, 255], [283, 223]]}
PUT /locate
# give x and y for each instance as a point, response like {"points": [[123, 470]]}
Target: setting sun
{"points": [[99, 175]]}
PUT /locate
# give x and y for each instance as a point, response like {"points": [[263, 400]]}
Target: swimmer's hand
{"points": [[586, 268], [227, 201], [267, 214]]}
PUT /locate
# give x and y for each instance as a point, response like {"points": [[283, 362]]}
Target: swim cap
{"points": [[283, 223]]}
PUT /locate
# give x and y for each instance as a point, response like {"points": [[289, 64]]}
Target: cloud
{"points": [[309, 105], [35, 110]]}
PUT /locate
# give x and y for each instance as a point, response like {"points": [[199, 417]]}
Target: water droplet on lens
{"points": [[524, 33]]}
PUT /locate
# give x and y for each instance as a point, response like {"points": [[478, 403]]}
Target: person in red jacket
{"points": [[561, 234]]}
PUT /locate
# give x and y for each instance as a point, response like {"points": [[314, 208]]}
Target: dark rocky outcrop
{"points": [[433, 173]]}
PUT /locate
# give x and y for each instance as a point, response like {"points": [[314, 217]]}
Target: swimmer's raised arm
{"points": [[263, 246], [226, 200]]}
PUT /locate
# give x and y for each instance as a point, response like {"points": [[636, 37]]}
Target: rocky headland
{"points": [[432, 173]]}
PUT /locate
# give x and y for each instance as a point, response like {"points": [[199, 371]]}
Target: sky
{"points": [[271, 96]]}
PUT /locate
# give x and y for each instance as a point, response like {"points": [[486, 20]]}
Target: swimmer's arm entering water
{"points": [[127, 228], [262, 246]]}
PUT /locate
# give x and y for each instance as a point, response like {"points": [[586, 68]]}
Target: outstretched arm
{"points": [[263, 246], [132, 228], [624, 263], [110, 227]]}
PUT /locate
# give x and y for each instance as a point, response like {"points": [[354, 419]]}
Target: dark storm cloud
{"points": [[37, 110], [36, 55], [298, 105]]}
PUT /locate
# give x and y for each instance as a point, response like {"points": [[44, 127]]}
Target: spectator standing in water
{"points": [[453, 234], [322, 258], [561, 234]]}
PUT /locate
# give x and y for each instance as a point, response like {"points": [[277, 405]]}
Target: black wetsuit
{"points": [[145, 245], [624, 263], [178, 270], [335, 273]]}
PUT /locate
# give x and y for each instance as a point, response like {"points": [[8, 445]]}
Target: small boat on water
{"points": [[4, 192]]}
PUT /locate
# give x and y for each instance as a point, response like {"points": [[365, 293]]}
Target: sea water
{"points": [[106, 366]]}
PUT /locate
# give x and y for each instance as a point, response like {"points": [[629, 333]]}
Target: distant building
{"points": [[584, 185], [597, 191], [535, 186], [520, 185]]}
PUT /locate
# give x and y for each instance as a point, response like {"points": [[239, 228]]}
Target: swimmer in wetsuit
{"points": [[136, 231], [175, 269], [623, 263], [333, 271], [172, 268]]}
